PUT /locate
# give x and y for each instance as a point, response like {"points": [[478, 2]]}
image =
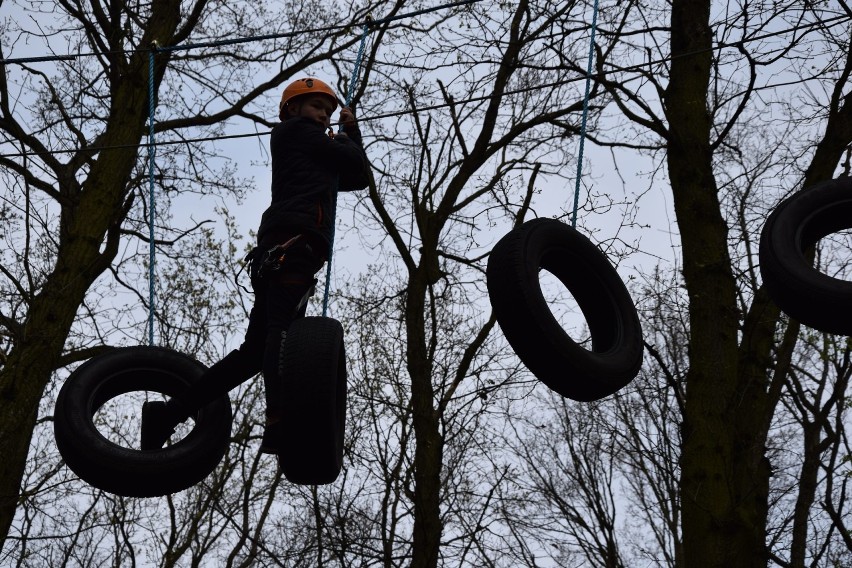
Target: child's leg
{"points": [[234, 369], [160, 419], [286, 290], [283, 300], [278, 295]]}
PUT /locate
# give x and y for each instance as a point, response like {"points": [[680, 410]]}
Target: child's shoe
{"points": [[158, 424], [273, 434]]}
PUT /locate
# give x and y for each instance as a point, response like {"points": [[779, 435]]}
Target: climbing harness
{"points": [[273, 259]]}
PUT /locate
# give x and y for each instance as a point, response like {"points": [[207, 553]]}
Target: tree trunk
{"points": [[88, 241], [429, 446], [723, 522], [729, 397]]}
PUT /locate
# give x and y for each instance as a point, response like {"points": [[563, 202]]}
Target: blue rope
{"points": [[350, 92], [585, 115], [152, 202]]}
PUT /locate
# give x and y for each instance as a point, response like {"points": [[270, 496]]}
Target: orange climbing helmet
{"points": [[306, 86]]}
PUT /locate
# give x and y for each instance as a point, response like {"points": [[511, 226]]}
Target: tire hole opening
{"points": [[835, 259], [564, 308], [119, 419]]}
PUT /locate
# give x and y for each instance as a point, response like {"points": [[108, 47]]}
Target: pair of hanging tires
{"points": [[789, 276], [533, 331], [311, 452]]}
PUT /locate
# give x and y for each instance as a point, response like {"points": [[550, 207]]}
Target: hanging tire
{"points": [[531, 328], [314, 370], [793, 283], [126, 471]]}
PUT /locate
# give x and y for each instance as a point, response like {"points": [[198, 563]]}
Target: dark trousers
{"points": [[278, 293]]}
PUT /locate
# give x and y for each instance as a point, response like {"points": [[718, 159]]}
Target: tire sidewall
{"points": [[534, 332], [314, 363], [130, 472], [792, 281]]}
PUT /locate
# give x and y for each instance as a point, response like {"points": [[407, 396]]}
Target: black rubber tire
{"points": [[314, 368], [533, 331], [132, 472], [799, 289]]}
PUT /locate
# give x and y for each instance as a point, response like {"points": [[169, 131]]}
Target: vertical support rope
{"points": [[585, 114], [151, 199], [350, 92]]}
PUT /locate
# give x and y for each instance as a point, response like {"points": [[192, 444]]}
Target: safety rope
{"points": [[585, 114], [350, 92], [151, 196], [612, 68]]}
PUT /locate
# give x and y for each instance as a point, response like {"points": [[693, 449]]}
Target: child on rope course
{"points": [[308, 166]]}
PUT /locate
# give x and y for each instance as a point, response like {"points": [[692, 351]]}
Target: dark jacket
{"points": [[307, 167]]}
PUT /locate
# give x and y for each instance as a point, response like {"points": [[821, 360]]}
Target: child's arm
{"points": [[341, 154], [354, 178], [349, 126], [347, 120]]}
